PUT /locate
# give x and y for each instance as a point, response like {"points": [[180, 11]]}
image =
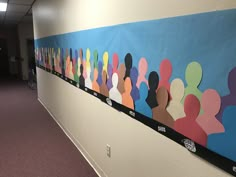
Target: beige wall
{"points": [[137, 151], [25, 31]]}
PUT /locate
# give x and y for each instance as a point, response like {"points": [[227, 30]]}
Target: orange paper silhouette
{"points": [[126, 96]]}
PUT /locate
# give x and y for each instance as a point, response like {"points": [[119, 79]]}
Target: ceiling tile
{"points": [[18, 8], [28, 2], [11, 21], [2, 14], [14, 16], [27, 19]]}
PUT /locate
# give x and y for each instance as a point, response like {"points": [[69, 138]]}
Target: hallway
{"points": [[31, 143]]}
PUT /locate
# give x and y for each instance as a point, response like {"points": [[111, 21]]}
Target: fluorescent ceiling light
{"points": [[3, 6]]}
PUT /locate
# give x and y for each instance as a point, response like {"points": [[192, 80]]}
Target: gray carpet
{"points": [[31, 143]]}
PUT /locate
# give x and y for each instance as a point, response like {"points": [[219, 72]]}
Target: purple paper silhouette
{"points": [[230, 99]]}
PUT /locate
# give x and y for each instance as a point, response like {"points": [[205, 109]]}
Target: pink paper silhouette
{"points": [[115, 62], [188, 125], [210, 103], [142, 67], [165, 74]]}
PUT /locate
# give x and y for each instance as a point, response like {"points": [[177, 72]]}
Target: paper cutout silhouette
{"points": [[134, 78], [105, 61], [109, 80], [95, 85], [121, 75], [81, 55], [142, 67], [175, 107], [114, 93], [165, 74], [128, 64], [141, 105], [88, 82], [95, 56], [126, 96], [78, 65], [224, 143], [84, 69], [103, 88], [230, 99], [153, 81], [70, 74], [99, 80], [62, 62], [188, 125], [81, 77], [160, 113], [115, 62], [193, 77], [210, 104]]}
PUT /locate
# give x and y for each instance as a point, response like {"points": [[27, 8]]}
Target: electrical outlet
{"points": [[108, 150]]}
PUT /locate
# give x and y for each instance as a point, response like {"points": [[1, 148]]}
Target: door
{"points": [[4, 63]]}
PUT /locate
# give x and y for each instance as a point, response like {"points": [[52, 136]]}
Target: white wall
{"points": [[25, 31], [137, 151]]}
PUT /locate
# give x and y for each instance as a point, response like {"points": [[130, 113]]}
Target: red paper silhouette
{"points": [[188, 125]]}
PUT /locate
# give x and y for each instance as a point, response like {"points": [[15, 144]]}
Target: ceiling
{"points": [[18, 11]]}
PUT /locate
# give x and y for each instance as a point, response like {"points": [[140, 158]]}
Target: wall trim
{"points": [[77, 144]]}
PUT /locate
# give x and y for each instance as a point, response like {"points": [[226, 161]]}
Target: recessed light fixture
{"points": [[3, 6]]}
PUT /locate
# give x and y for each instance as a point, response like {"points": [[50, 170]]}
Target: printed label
{"points": [[109, 102], [161, 129], [95, 94], [190, 145], [132, 113]]}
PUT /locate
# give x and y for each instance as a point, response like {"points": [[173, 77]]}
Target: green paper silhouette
{"points": [[193, 77]]}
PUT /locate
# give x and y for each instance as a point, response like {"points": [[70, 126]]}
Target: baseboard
{"points": [[77, 144]]}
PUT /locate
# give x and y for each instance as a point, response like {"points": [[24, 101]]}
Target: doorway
{"points": [[4, 63]]}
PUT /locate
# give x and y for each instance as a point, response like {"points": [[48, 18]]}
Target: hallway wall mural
{"points": [[175, 75]]}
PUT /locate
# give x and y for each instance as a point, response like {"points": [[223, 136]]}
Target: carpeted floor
{"points": [[31, 143]]}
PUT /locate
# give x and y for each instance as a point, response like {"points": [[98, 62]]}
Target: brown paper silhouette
{"points": [[121, 74], [103, 88], [160, 113]]}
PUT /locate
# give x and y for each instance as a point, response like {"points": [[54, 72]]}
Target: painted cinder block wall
{"points": [[136, 150]]}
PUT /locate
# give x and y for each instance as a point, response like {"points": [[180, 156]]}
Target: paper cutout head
{"points": [[142, 67], [105, 61], [210, 102], [128, 64], [177, 89], [193, 74], [153, 80], [115, 62], [115, 80], [191, 106], [165, 69], [95, 56], [87, 58], [81, 55], [232, 81]]}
